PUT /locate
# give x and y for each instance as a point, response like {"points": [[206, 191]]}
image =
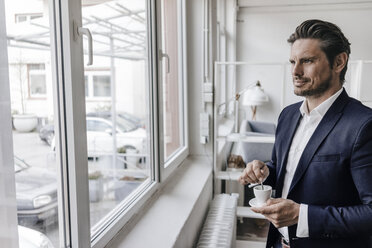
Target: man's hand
{"points": [[280, 212], [255, 172]]}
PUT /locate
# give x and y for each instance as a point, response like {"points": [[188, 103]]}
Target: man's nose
{"points": [[297, 69]]}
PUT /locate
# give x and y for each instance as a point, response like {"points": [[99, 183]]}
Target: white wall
{"points": [[262, 32], [194, 33]]}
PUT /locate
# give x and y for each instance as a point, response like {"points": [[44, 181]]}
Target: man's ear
{"points": [[340, 62]]}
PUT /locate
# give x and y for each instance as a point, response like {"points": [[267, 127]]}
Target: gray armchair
{"points": [[251, 151]]}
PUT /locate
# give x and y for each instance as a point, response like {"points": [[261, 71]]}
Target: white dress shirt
{"points": [[305, 130]]}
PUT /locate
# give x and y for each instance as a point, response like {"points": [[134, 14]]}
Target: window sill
{"points": [[175, 217]]}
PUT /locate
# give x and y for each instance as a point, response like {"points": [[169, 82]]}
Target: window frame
{"points": [[70, 126], [147, 191], [8, 200], [170, 164]]}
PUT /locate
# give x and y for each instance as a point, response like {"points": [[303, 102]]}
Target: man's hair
{"points": [[332, 40]]}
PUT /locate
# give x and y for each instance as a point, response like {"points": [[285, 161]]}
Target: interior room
{"points": [[128, 123]]}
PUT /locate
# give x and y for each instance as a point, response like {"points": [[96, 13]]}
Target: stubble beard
{"points": [[315, 92]]}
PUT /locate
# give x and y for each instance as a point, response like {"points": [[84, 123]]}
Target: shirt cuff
{"points": [[302, 225]]}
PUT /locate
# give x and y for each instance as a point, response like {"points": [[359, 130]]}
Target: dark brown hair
{"points": [[332, 40]]}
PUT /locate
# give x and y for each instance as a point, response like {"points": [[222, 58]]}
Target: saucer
{"points": [[253, 203]]}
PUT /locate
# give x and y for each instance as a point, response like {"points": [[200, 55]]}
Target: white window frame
{"points": [[72, 137], [8, 202], [70, 127], [170, 164]]}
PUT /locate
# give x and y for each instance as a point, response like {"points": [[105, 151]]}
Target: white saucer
{"points": [[253, 203]]}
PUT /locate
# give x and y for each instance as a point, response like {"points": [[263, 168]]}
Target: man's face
{"points": [[311, 71]]}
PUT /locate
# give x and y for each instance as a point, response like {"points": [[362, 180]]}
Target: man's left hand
{"points": [[280, 212]]}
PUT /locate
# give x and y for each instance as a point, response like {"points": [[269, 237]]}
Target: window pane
{"points": [[37, 84], [21, 18], [117, 110], [36, 67], [101, 85], [171, 78], [35, 163]]}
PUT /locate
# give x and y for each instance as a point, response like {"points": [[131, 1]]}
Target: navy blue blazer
{"points": [[333, 176]]}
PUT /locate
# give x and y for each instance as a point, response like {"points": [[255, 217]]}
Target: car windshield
{"points": [[19, 165], [124, 125]]}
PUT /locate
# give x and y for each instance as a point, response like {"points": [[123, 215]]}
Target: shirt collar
{"points": [[323, 107]]}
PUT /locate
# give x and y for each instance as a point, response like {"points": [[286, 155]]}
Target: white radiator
{"points": [[219, 229]]}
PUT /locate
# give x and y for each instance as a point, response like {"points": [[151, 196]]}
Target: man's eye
{"points": [[307, 61]]}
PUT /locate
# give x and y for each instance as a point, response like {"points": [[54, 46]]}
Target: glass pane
{"points": [[101, 85], [172, 99], [117, 108], [35, 164], [21, 18], [37, 85]]}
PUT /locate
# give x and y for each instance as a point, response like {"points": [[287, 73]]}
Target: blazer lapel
{"points": [[325, 126], [285, 143]]}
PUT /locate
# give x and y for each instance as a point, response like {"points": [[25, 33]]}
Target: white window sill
{"points": [[175, 217]]}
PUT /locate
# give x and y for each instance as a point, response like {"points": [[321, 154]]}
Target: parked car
{"points": [[130, 137], [138, 122], [36, 193], [29, 238], [46, 133], [100, 136]]}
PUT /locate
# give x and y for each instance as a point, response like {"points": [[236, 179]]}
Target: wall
{"points": [[194, 15], [262, 31]]}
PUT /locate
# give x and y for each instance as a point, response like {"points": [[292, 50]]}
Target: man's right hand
{"points": [[255, 172]]}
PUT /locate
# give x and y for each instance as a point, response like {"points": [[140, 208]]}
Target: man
{"points": [[321, 167]]}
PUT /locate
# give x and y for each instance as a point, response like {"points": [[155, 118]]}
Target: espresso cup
{"points": [[262, 195]]}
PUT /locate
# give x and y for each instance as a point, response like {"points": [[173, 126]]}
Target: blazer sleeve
{"points": [[333, 222], [271, 179]]}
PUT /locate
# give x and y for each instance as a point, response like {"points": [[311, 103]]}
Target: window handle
{"points": [[165, 55], [80, 31]]}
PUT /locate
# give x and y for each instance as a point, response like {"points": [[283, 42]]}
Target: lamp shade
{"points": [[255, 96]]}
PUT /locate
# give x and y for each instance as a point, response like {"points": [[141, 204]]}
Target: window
{"points": [[27, 17], [97, 84], [173, 80], [34, 163], [100, 126], [97, 126], [36, 80]]}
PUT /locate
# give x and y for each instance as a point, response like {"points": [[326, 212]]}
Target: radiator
{"points": [[219, 228]]}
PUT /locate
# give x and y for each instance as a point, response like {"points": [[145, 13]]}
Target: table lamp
{"points": [[254, 97]]}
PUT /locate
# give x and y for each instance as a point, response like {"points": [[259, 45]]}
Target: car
{"points": [[130, 138], [30, 238], [138, 122], [46, 133], [36, 193]]}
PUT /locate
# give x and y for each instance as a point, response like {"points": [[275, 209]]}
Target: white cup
{"points": [[262, 195]]}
